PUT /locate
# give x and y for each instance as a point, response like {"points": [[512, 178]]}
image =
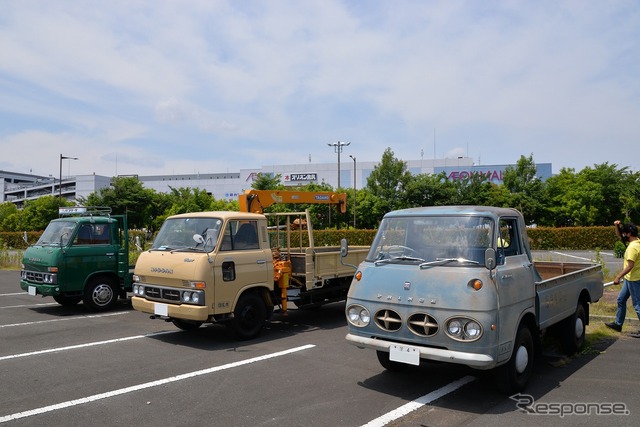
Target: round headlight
{"points": [[358, 315], [455, 327], [186, 297], [195, 298], [472, 330]]}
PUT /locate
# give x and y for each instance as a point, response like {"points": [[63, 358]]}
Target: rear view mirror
{"points": [[490, 258], [344, 248]]}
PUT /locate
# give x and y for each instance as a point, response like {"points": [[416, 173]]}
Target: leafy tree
{"points": [[7, 210], [611, 181], [36, 214], [630, 198], [265, 181], [387, 183], [527, 190], [126, 195], [429, 190]]}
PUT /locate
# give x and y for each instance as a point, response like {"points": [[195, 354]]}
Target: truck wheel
{"points": [[249, 316], [67, 301], [186, 325], [100, 294], [572, 330], [390, 365], [513, 376]]}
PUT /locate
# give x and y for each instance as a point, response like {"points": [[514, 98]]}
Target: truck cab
{"points": [[207, 267], [81, 256]]}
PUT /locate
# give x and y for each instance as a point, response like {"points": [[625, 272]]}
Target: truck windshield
{"points": [[188, 234], [57, 233], [431, 241]]}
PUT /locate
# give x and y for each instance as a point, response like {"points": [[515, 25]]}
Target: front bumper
{"points": [[474, 360], [177, 311], [41, 289]]}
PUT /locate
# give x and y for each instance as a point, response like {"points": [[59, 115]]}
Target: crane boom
{"points": [[256, 200]]}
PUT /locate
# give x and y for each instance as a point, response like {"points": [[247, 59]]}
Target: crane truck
{"points": [[224, 267]]}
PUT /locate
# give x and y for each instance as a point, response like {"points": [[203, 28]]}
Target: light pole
{"points": [[337, 146], [60, 183], [354, 190]]}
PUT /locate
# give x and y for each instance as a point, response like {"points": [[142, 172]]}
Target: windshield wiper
{"points": [[398, 258], [443, 261]]}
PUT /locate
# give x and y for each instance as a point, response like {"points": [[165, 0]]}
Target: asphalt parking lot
{"points": [[66, 366]]}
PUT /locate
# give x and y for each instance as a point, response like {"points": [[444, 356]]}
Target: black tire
{"points": [[100, 294], [186, 325], [513, 376], [572, 331], [67, 301], [390, 365], [249, 316]]}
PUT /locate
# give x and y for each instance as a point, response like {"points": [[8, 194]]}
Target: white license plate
{"points": [[404, 354], [160, 309], [32, 291]]}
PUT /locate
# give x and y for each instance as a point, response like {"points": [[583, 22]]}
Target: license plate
{"points": [[32, 291], [161, 309], [404, 354]]}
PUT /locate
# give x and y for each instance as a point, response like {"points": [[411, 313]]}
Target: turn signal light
{"points": [[358, 275], [476, 284]]}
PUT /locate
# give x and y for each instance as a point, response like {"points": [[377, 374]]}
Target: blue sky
{"points": [[205, 86]]}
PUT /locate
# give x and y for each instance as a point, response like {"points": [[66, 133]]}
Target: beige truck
{"points": [[223, 267]]}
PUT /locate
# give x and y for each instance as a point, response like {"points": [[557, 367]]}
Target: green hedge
{"points": [[541, 238]]}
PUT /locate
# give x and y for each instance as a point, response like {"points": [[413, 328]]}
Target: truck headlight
{"points": [[463, 329], [186, 297], [358, 315], [138, 290]]}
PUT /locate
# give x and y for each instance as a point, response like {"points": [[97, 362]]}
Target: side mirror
{"points": [[344, 248], [490, 258]]}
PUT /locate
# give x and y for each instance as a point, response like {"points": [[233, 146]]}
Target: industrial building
{"points": [[18, 188]]}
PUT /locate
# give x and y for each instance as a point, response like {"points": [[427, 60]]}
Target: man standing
{"points": [[623, 295], [631, 268]]}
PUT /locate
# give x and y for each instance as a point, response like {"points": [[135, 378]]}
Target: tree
{"points": [[7, 210], [387, 183], [267, 182], [526, 188], [126, 195], [429, 190], [36, 214]]}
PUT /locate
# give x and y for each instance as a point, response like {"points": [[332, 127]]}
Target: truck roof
{"points": [[455, 210], [220, 214]]}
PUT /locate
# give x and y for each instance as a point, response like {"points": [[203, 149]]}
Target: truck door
{"points": [[90, 251], [241, 261], [515, 278]]}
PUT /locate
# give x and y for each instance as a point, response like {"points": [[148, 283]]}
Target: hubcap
{"points": [[579, 327], [522, 359], [102, 294]]}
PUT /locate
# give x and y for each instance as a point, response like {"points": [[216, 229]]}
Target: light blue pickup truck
{"points": [[457, 284]]}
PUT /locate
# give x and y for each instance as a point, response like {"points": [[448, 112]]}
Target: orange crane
{"points": [[256, 200]]}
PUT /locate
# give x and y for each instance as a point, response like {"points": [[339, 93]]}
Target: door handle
{"points": [[261, 261]]}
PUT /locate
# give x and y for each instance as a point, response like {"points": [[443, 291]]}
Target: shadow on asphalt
{"points": [[481, 396]]}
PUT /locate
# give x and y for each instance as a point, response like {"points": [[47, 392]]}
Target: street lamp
{"points": [[60, 183], [337, 146], [354, 190]]}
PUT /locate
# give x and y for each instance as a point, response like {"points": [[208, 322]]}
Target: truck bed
{"points": [[562, 282], [314, 265]]}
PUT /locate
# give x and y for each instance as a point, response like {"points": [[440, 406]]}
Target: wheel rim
{"points": [[522, 359], [579, 330], [102, 295]]}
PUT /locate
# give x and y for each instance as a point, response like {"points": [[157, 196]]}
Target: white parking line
{"points": [[91, 344], [571, 256], [63, 319], [418, 403], [14, 293], [29, 305], [143, 386]]}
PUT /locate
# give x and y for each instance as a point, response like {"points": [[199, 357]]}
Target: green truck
{"points": [[81, 256]]}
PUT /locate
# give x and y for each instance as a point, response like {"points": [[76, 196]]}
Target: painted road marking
{"points": [[66, 318], [14, 293], [91, 344], [571, 256], [151, 384], [418, 403], [29, 305]]}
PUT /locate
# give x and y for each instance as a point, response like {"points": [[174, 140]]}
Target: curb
{"points": [[627, 321]]}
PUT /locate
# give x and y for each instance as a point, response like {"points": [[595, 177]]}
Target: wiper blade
{"points": [[398, 258], [443, 261]]}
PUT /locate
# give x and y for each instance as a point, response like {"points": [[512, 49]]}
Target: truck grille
{"points": [[162, 293], [420, 324], [33, 276], [388, 320]]}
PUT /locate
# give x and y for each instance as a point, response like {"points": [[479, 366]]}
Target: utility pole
{"points": [[337, 146], [60, 182], [354, 190]]}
